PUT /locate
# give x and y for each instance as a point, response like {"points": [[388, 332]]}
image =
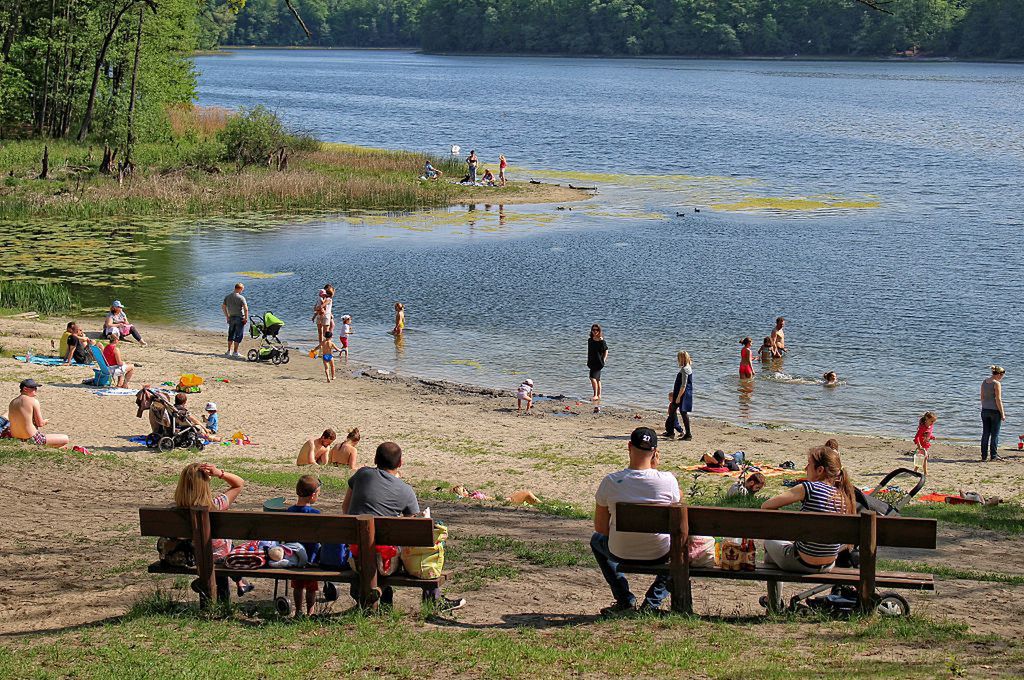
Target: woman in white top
{"points": [[683, 391], [117, 322]]}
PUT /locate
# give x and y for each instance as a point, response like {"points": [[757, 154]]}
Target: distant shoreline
{"points": [[223, 50]]}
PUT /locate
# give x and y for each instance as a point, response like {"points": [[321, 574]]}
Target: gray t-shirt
{"points": [[235, 303], [378, 492]]}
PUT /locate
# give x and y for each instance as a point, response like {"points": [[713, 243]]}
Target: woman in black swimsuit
{"points": [[597, 355]]}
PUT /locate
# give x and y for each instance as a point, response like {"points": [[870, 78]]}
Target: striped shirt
{"points": [[820, 497]]}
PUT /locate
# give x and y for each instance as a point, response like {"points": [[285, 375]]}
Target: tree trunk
{"points": [[107, 163], [127, 166], [41, 119], [12, 31], [90, 107], [46, 163]]}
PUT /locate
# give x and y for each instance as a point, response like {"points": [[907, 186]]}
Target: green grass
{"points": [[474, 578], [545, 554], [1007, 518], [160, 638], [29, 296], [950, 572], [560, 509]]}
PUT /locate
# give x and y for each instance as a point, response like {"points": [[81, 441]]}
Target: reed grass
{"points": [[197, 121], [30, 296]]}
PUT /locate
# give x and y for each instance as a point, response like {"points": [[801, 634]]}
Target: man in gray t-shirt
{"points": [[236, 311], [379, 491]]}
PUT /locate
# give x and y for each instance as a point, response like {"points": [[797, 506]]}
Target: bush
{"points": [[252, 136], [205, 154]]}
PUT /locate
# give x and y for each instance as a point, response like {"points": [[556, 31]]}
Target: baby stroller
{"points": [[271, 348], [886, 499], [170, 427]]}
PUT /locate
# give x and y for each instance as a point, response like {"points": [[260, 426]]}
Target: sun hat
{"points": [[28, 382], [210, 406], [528, 382], [322, 293], [117, 303]]}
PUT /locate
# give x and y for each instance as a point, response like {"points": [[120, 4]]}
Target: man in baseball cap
{"points": [[26, 418], [640, 482]]}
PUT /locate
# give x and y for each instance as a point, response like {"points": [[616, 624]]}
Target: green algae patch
{"points": [[263, 275], [812, 204]]}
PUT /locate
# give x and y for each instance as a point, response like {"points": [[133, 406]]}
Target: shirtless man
{"points": [[26, 417], [778, 337], [314, 451]]}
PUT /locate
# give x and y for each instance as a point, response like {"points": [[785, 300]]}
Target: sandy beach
{"points": [[73, 554]]}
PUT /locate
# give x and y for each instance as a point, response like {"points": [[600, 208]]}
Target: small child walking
{"points": [[346, 330], [923, 440], [327, 349], [672, 420], [308, 491], [524, 393]]}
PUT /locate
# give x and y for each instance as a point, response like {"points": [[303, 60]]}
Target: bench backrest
{"points": [[901, 532], [288, 527]]}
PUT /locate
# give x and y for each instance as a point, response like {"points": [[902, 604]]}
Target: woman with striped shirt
{"points": [[826, 489]]}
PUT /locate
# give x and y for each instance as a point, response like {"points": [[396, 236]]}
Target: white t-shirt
{"points": [[525, 392], [637, 486], [346, 329]]}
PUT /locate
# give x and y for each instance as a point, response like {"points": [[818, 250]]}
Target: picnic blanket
{"points": [[47, 361], [766, 470], [115, 392]]}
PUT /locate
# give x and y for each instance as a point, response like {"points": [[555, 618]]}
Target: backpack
{"points": [[387, 559], [426, 561]]}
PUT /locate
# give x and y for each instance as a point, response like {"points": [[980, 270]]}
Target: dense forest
{"points": [[94, 69], [958, 28]]}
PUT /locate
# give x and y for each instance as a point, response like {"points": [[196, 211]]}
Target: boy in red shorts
{"points": [[308, 491]]}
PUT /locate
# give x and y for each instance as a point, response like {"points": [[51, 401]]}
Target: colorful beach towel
{"points": [[46, 361], [766, 470], [115, 392]]}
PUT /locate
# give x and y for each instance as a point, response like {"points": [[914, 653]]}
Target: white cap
{"points": [[115, 332], [210, 406], [528, 382]]}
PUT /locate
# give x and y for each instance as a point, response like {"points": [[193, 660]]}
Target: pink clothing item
{"points": [[221, 546], [923, 438]]}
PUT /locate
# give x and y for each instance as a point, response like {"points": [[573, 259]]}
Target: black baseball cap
{"points": [[644, 438], [28, 382]]}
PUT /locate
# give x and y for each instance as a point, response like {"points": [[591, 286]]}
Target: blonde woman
{"points": [[344, 453], [992, 413], [194, 491], [683, 392], [827, 489]]}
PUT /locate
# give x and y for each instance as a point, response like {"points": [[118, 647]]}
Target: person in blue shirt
{"points": [[430, 172], [308, 491], [212, 422]]}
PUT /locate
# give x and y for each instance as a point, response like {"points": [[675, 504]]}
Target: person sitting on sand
{"points": [[827, 489], [315, 451], [488, 179], [63, 344], [343, 454], [193, 491], [26, 418], [830, 379], [747, 487], [430, 172], [117, 323], [77, 346], [379, 491], [120, 369]]}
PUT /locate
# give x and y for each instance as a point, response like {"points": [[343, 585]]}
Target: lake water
{"points": [[877, 206]]}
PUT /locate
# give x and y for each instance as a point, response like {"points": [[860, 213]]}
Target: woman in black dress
{"points": [[597, 354]]}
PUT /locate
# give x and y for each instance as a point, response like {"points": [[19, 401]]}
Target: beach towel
{"points": [[115, 392], [933, 498], [47, 361], [249, 555], [138, 439], [766, 470]]}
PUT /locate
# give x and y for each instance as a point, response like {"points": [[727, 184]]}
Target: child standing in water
{"points": [[346, 330], [399, 319], [767, 352], [327, 349], [746, 363], [923, 440]]}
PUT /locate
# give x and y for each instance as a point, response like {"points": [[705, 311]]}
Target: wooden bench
{"points": [[867, 531], [202, 526]]}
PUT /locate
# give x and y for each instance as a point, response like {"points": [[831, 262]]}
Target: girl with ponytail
{"points": [[828, 488]]}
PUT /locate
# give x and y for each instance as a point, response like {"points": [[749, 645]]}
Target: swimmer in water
{"points": [[746, 363], [399, 320], [778, 337], [766, 352], [830, 378]]}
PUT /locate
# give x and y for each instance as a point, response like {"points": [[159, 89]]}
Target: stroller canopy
{"points": [[271, 320]]}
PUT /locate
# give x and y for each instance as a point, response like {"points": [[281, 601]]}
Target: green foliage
{"points": [[252, 136], [970, 28], [1007, 518], [44, 298]]}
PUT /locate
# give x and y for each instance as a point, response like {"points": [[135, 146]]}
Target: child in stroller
{"points": [[170, 423], [271, 348]]}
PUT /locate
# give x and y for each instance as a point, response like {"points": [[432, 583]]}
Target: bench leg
{"points": [[775, 605]]}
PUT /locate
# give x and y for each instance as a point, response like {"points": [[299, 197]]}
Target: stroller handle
{"points": [[902, 471]]}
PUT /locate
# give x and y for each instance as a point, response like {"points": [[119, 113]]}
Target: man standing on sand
{"points": [[314, 451], [26, 417], [236, 311], [640, 482], [778, 337]]}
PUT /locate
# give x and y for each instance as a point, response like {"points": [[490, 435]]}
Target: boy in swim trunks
{"points": [[327, 348], [26, 417]]}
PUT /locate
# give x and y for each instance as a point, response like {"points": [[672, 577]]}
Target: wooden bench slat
{"points": [[318, 574], [404, 531], [836, 576], [902, 532]]}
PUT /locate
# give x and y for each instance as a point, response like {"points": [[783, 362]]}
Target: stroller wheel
{"points": [[330, 591], [198, 444], [284, 357], [275, 358], [151, 440], [284, 606], [892, 604], [253, 355], [165, 445]]}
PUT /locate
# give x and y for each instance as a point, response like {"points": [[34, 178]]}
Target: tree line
{"points": [[956, 28], [102, 70]]}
